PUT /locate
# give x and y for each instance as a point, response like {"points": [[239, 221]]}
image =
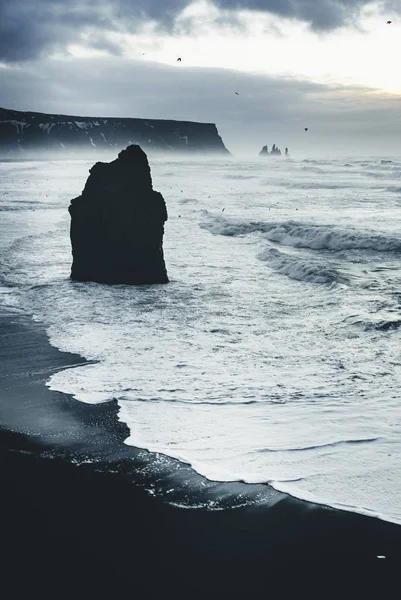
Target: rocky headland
{"points": [[30, 133]]}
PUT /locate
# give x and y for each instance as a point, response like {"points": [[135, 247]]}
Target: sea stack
{"points": [[117, 224], [275, 151]]}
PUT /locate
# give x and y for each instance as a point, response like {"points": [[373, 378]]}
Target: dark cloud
{"points": [[29, 28], [268, 110], [320, 14]]}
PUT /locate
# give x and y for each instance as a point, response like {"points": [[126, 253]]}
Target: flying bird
{"points": [[306, 128], [178, 59], [389, 22], [237, 93]]}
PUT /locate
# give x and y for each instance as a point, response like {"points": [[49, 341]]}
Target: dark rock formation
{"points": [[117, 224], [26, 133], [275, 151]]}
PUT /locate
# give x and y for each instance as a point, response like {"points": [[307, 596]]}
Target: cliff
{"points": [[117, 224], [27, 133]]}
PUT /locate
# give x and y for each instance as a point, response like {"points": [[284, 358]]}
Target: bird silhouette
{"points": [[389, 22], [306, 128], [178, 59], [237, 93]]}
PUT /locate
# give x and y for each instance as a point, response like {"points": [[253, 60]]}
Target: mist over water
{"points": [[273, 354]]}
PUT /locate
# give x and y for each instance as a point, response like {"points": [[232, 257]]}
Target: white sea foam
{"points": [[302, 269], [306, 235], [273, 354]]}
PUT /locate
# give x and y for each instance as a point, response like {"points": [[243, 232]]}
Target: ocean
{"points": [[272, 356]]}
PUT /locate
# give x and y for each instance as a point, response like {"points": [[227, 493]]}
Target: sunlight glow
{"points": [[365, 55]]}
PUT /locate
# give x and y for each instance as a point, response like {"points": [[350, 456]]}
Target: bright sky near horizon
{"points": [[363, 52], [336, 59]]}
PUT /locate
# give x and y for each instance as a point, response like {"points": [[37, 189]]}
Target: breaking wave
{"points": [[389, 324], [238, 176], [304, 235], [310, 185], [300, 269]]}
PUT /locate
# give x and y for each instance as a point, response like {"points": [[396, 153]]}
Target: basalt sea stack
{"points": [[117, 224]]}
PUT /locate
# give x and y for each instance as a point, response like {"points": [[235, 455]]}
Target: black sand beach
{"points": [[76, 514]]}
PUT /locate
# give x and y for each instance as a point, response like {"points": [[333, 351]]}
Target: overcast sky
{"points": [[329, 65]]}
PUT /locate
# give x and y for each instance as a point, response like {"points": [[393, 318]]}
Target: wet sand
{"points": [[77, 514]]}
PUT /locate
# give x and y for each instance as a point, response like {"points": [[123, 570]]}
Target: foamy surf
{"points": [[273, 354], [302, 269], [305, 235]]}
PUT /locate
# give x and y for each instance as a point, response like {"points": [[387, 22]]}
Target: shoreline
{"points": [[70, 484]]}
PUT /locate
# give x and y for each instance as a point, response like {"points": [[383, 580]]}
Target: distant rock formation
{"points": [[27, 133], [117, 224], [275, 151]]}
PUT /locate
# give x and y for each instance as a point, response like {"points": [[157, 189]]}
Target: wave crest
{"points": [[300, 269], [305, 235]]}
